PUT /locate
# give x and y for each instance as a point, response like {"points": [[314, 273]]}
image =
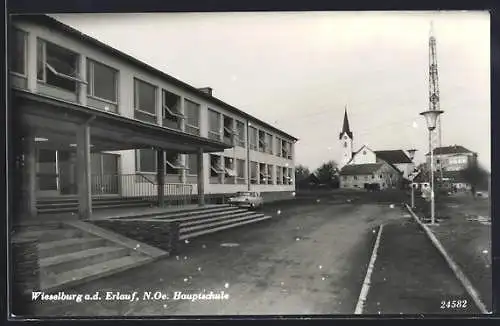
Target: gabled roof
{"points": [[51, 22], [393, 156], [455, 149], [357, 169], [345, 126]]}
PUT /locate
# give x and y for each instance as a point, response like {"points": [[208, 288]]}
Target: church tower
{"points": [[346, 142]]}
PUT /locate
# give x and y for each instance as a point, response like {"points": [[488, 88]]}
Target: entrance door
{"points": [[47, 173], [105, 177]]}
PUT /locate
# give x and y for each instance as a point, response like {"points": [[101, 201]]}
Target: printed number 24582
{"points": [[453, 304]]}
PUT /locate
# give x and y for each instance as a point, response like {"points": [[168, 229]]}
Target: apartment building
{"points": [[139, 127]]}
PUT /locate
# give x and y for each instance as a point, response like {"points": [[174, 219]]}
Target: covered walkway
{"points": [[48, 123]]}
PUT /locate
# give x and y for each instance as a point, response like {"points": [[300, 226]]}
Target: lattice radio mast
{"points": [[434, 92]]}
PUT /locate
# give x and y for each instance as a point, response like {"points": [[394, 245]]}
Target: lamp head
{"points": [[431, 118]]}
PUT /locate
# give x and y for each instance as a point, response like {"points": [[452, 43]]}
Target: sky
{"points": [[299, 70]]}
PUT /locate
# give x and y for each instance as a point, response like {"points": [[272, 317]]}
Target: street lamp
{"points": [[430, 118]]}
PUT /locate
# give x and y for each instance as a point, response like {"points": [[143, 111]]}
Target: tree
{"points": [[301, 173], [476, 176], [328, 174]]}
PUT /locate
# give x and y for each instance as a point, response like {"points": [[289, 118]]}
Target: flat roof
{"points": [[54, 23]]}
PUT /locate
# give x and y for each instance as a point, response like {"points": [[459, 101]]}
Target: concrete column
{"points": [[82, 87], [32, 62], [160, 172], [83, 171], [29, 177], [201, 178]]}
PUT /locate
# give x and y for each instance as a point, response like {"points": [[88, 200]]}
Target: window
{"points": [[240, 134], [253, 172], [172, 163], [18, 52], [285, 175], [102, 81], [269, 143], [228, 132], [145, 160], [215, 166], [144, 99], [171, 114], [355, 177], [270, 174], [192, 112], [192, 164], [229, 167], [240, 168], [57, 66], [279, 175], [344, 178], [214, 125], [263, 174], [373, 176], [278, 146], [284, 148], [290, 176], [252, 137], [262, 141]]}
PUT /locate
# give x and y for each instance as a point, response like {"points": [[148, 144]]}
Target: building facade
{"points": [[51, 62], [452, 158]]}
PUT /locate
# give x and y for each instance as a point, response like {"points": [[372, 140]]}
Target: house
{"points": [[94, 121], [381, 175], [449, 162], [452, 158], [386, 168]]}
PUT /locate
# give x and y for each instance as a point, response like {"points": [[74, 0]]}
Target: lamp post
{"points": [[411, 153], [430, 118]]}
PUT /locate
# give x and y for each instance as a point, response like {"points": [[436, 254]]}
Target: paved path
{"points": [[411, 276], [309, 259]]}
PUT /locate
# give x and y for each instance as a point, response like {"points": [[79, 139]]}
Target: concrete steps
{"points": [[221, 228], [70, 256], [67, 205]]}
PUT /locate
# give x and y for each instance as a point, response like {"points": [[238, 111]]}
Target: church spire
{"points": [[345, 127]]}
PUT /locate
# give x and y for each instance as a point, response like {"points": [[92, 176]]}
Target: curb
{"points": [[454, 267], [366, 283]]}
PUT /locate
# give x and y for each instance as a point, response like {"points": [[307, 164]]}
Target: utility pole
{"points": [[434, 104]]}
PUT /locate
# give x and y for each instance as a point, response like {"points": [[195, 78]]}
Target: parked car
{"points": [[248, 199]]}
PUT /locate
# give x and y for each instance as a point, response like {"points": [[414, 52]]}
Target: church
{"points": [[370, 169]]}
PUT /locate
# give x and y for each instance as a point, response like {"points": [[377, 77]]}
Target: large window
{"points": [[269, 143], [102, 81], [18, 52], [230, 173], [214, 125], [173, 163], [145, 160], [262, 141], [228, 133], [240, 134], [278, 146], [253, 172], [252, 138], [192, 164], [279, 175], [192, 112], [171, 114], [240, 168], [270, 177], [216, 171], [144, 101], [263, 173], [57, 66]]}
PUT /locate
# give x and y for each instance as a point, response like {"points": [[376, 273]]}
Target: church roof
{"points": [[393, 156], [356, 169], [345, 127]]}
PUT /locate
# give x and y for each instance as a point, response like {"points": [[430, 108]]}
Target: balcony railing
{"points": [[143, 186]]}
